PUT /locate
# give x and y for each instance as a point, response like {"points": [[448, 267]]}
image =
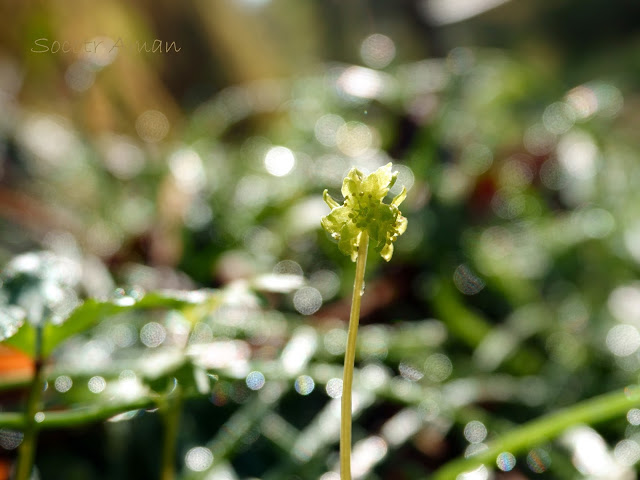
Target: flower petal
{"points": [[394, 177], [328, 199], [377, 183], [401, 224], [387, 251], [350, 240], [365, 211], [335, 220], [376, 232], [351, 184], [398, 199]]}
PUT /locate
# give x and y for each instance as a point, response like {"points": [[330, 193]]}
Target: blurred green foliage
{"points": [[178, 197]]}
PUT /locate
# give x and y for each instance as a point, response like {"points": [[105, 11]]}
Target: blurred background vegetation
{"points": [[165, 145]]}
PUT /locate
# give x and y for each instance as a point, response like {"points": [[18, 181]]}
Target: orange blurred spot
{"points": [[14, 363], [5, 469]]}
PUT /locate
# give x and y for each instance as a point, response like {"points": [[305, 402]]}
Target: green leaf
{"points": [[91, 311], [593, 410]]}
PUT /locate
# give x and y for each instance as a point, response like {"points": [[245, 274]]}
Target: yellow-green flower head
{"points": [[363, 210]]}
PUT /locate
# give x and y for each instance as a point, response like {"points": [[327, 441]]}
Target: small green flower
{"points": [[363, 210]]}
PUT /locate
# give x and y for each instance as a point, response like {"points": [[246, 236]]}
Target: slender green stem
{"points": [[349, 360], [171, 416], [27, 451], [593, 410]]}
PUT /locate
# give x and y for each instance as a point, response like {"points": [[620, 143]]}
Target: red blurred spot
{"points": [[480, 199]]}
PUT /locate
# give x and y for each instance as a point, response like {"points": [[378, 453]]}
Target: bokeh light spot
{"points": [[97, 384], [361, 82], [279, 161], [100, 51], [475, 431], [377, 51], [152, 126], [326, 129], [475, 449], [480, 473], [153, 334], [288, 267], [121, 156], [409, 372], [186, 167], [63, 383], [255, 380], [558, 117], [583, 100], [633, 416], [327, 283], [538, 460], [330, 476], [438, 367], [123, 335], [335, 341], [334, 388], [466, 281], [80, 76], [538, 140], [506, 461], [406, 179], [623, 340], [627, 452], [307, 300], [304, 385], [198, 459], [10, 439], [354, 138], [578, 155]]}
